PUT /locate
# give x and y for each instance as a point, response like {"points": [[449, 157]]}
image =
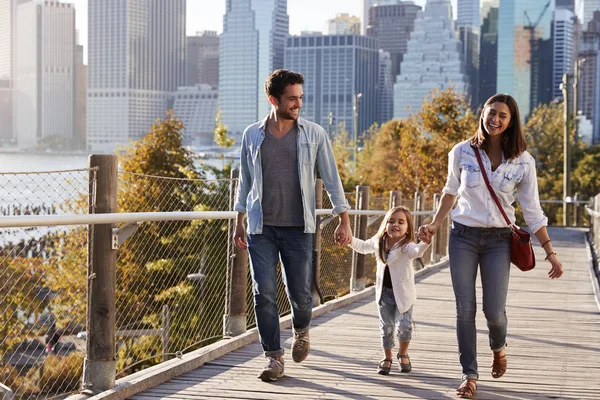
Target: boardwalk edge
{"points": [[168, 370], [595, 284]]}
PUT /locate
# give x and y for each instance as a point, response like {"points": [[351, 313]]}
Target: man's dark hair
{"points": [[279, 80]]}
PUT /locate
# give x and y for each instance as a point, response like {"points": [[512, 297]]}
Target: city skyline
{"points": [[210, 17]]}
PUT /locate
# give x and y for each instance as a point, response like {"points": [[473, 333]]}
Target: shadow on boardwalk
{"points": [[553, 346]]}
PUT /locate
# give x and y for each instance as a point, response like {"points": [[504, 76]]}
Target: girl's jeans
{"points": [[488, 248], [391, 319]]}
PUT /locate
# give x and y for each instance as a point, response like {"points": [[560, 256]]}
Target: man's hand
{"points": [[426, 232], [343, 232], [239, 236]]}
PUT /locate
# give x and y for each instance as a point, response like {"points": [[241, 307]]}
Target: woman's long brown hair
{"points": [[513, 141]]}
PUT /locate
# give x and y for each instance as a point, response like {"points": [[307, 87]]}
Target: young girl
{"points": [[394, 247]]}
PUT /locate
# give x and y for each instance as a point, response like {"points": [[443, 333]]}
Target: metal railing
{"points": [[130, 290]]}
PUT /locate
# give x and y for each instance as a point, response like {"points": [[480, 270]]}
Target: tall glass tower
{"points": [[522, 44], [252, 46]]}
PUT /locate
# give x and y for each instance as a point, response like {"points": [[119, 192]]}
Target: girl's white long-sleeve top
{"points": [[401, 269]]}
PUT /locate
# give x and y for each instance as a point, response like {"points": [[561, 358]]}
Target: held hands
{"points": [[343, 234], [426, 232]]}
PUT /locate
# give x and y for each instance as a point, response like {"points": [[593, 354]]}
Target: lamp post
{"points": [[564, 86], [355, 136]]}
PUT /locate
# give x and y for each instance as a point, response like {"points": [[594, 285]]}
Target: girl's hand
{"points": [[556, 270], [426, 232]]}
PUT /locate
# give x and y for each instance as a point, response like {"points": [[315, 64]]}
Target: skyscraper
{"points": [[343, 24], [392, 25], [488, 51], [196, 107], [524, 58], [202, 59], [44, 76], [367, 4], [385, 95], [589, 81], [469, 26], [7, 24], [251, 47], [564, 47], [136, 59], [337, 69], [433, 60], [589, 7]]}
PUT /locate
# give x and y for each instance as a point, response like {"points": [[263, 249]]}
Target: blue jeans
{"points": [[488, 248], [390, 320], [294, 248]]}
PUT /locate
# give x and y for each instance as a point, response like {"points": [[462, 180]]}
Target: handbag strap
{"points": [[489, 186]]}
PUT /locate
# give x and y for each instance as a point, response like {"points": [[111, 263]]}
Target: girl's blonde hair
{"points": [[382, 234]]}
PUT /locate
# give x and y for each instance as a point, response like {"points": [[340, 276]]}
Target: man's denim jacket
{"points": [[314, 151]]}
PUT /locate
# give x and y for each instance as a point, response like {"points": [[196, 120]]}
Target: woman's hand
{"points": [[426, 232], [557, 269]]}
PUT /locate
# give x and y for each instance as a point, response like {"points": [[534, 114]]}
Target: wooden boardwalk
{"points": [[553, 346]]}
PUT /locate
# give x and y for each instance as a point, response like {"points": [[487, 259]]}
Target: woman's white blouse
{"points": [[476, 207], [401, 269]]}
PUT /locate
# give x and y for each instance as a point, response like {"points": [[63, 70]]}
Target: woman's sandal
{"points": [[383, 370], [499, 365], [404, 367], [467, 389]]}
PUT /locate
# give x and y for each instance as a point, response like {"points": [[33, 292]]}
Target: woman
{"points": [[479, 235]]}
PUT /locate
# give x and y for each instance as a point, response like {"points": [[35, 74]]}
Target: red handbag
{"points": [[521, 248]]}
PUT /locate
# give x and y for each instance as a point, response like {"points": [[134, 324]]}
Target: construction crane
{"points": [[534, 57]]}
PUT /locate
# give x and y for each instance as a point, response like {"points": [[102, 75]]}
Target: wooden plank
{"points": [[553, 351]]}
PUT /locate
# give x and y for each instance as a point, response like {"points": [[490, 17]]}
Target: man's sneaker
{"points": [[300, 345], [273, 369]]}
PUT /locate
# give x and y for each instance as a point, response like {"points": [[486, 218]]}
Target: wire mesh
{"points": [[43, 284], [171, 276]]}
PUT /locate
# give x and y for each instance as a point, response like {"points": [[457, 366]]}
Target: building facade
{"points": [[196, 107], [202, 59], [385, 95], [343, 24], [338, 70], [488, 51], [136, 59], [7, 24], [392, 25], [468, 26], [433, 60], [589, 7], [525, 50], [254, 34], [44, 76], [563, 31], [589, 79], [366, 6]]}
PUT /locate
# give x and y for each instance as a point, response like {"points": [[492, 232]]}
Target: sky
{"points": [[305, 15]]}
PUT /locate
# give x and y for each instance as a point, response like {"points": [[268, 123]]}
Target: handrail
{"points": [[111, 218]]}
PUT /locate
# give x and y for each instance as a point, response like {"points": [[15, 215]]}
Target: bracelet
{"points": [[549, 254], [546, 242]]}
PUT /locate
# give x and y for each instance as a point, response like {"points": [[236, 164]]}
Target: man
{"points": [[279, 159]]}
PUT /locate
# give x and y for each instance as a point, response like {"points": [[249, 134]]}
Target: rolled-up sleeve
{"points": [[453, 180], [244, 180], [330, 176], [529, 198]]}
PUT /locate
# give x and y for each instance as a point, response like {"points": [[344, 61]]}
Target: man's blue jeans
{"points": [[488, 248], [294, 248]]}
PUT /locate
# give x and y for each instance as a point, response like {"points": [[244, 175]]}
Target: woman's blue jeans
{"points": [[294, 248], [488, 248]]}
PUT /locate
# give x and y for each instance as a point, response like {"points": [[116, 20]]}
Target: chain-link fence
{"points": [[43, 284], [171, 276]]}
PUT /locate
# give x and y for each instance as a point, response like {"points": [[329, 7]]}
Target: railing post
{"points": [[234, 320], [357, 279], [418, 206], [166, 332], [395, 198], [575, 209], [99, 367], [316, 259], [435, 240]]}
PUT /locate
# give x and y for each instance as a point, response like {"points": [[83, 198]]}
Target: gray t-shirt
{"points": [[282, 198]]}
